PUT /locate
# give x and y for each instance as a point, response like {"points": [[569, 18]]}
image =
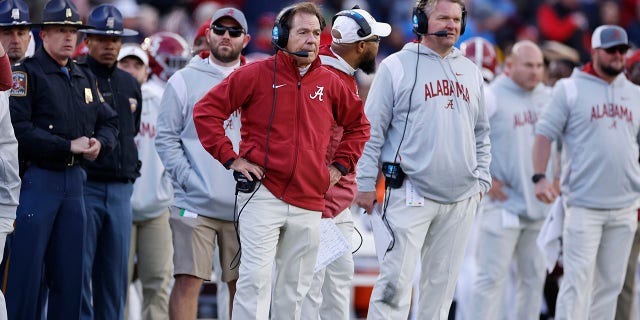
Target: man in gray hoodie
{"points": [[203, 188], [595, 114], [428, 122], [512, 216]]}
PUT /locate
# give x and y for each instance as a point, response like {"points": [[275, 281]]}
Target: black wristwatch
{"points": [[537, 177]]}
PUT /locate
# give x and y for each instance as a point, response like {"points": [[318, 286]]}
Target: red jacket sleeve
{"points": [[349, 113], [554, 27], [6, 80]]}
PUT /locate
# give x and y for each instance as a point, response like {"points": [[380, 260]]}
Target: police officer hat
{"points": [[14, 13], [61, 12], [106, 19]]}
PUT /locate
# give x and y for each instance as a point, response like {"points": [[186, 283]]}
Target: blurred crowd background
{"points": [[502, 22]]}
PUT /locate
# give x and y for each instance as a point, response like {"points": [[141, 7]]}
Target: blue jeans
{"points": [[106, 253]]}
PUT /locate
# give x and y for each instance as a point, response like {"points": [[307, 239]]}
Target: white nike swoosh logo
{"points": [[278, 86]]}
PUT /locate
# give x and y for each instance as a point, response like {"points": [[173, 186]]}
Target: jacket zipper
{"points": [[297, 145]]}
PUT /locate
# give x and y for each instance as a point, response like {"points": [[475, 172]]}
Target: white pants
{"points": [[271, 228], [595, 248], [330, 294], [437, 235], [6, 227], [497, 246]]}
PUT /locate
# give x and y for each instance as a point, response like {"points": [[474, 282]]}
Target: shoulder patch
{"points": [[19, 86]]}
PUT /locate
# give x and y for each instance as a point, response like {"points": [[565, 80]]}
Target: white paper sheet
{"points": [[332, 244], [550, 236], [381, 234]]}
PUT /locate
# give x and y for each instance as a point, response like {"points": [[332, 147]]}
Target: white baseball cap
{"points": [[345, 28], [133, 50]]}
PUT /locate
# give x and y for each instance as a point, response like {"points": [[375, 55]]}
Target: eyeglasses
{"points": [[620, 49], [376, 39], [233, 32]]}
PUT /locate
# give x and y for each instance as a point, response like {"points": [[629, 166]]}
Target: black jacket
{"points": [[48, 110], [122, 92]]}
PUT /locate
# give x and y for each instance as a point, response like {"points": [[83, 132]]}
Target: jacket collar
{"points": [[291, 63], [49, 65], [100, 69]]}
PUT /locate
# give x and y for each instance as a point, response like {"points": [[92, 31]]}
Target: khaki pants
{"points": [[497, 247], [624, 309], [6, 227], [272, 229], [151, 243], [330, 294], [595, 248], [436, 235]]}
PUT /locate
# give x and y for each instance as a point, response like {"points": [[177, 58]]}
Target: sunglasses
{"points": [[233, 32], [376, 39], [620, 49]]}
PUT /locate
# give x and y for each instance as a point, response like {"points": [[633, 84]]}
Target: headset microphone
{"points": [[439, 34], [303, 54]]}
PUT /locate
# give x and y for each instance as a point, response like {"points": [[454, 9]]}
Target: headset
{"points": [[280, 31], [365, 28], [420, 20]]}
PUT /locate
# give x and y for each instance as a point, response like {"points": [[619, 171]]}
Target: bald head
{"points": [[526, 64]]}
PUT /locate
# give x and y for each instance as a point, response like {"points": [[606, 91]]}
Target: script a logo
{"points": [[318, 94]]}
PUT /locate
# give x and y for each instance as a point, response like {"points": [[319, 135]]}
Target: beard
{"points": [[225, 57], [368, 65], [611, 71]]}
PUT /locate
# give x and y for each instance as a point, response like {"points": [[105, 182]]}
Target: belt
{"points": [[60, 165]]}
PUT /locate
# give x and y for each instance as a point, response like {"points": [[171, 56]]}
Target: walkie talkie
{"points": [[242, 182]]}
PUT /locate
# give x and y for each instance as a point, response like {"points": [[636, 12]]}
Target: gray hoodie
{"points": [[445, 151], [599, 125], [201, 184], [10, 179], [513, 113]]}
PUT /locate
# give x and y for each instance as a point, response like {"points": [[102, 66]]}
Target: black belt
{"points": [[70, 161]]}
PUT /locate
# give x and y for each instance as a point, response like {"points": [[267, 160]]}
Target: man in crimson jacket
{"points": [[288, 104]]}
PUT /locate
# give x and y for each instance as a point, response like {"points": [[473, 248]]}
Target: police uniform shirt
{"points": [[122, 92], [49, 109]]}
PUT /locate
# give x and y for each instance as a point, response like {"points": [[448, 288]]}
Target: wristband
{"points": [[537, 177]]}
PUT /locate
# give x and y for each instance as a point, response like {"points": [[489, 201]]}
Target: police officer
{"points": [[60, 121], [110, 178], [15, 29]]}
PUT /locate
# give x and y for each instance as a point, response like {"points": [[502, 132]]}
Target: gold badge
{"points": [[133, 104], [88, 96]]}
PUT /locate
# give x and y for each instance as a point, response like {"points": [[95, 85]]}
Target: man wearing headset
{"points": [[356, 36], [429, 124], [203, 189], [288, 104]]}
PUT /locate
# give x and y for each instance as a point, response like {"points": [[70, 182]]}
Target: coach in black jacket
{"points": [[110, 178]]}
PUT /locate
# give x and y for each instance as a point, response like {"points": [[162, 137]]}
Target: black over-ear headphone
{"points": [[280, 31], [420, 21], [365, 28]]}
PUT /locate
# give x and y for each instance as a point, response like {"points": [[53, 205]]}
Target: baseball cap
{"points": [[607, 36], [232, 13], [133, 50], [345, 28]]}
